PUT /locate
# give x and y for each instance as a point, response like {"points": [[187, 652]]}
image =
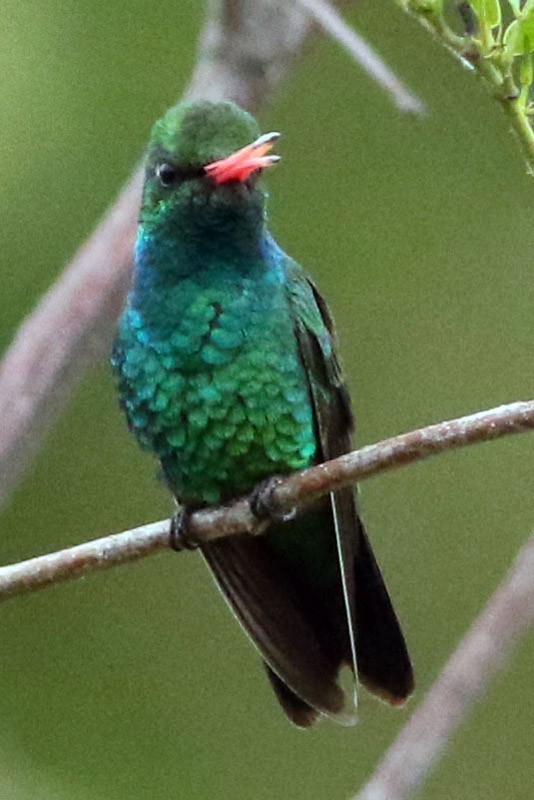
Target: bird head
{"points": [[203, 164]]}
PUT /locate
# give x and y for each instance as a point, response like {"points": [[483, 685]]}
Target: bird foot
{"points": [[263, 502], [180, 533]]}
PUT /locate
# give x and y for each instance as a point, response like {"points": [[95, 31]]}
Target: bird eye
{"points": [[167, 174]]}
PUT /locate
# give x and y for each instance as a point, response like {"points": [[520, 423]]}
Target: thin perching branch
{"points": [[292, 492], [482, 653]]}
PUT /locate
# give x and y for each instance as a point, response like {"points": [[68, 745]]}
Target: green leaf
{"points": [[519, 36], [515, 6], [525, 71], [511, 38], [527, 32], [488, 11], [426, 6]]}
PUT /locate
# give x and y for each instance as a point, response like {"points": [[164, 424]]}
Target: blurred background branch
{"points": [[507, 616], [333, 24]]}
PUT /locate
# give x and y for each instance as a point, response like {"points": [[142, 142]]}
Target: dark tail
{"points": [[381, 655], [301, 629], [384, 665], [282, 620]]}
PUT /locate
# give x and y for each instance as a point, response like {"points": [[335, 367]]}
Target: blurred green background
{"points": [[137, 683]]}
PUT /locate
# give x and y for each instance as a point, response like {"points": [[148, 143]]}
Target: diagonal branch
{"points": [[294, 491], [481, 654], [331, 21]]}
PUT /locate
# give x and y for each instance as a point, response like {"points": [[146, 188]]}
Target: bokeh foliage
{"points": [[138, 683]]}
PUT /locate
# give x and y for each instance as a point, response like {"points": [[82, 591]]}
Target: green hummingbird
{"points": [[227, 371]]}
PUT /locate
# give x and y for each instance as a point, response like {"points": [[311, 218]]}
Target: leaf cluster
{"points": [[496, 39], [508, 44]]}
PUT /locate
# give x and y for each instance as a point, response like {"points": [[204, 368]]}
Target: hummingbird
{"points": [[226, 365]]}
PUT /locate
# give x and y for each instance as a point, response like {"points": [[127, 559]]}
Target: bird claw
{"points": [[263, 503], [180, 532]]}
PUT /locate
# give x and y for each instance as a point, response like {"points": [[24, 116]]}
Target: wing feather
{"points": [[300, 634], [378, 650]]}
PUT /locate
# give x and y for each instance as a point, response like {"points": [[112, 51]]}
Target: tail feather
{"points": [[384, 665], [279, 618], [297, 710], [378, 652], [301, 629]]}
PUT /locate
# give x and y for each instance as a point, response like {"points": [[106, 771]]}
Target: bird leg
{"points": [[263, 502], [180, 532]]}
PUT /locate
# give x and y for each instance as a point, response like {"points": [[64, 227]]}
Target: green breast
{"points": [[212, 383]]}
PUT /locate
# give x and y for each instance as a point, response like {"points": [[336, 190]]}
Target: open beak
{"points": [[242, 163]]}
